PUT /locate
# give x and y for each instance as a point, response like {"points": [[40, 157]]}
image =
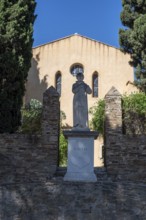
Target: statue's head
{"points": [[80, 77]]}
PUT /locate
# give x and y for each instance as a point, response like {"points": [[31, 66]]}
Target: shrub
{"points": [[62, 150], [134, 113], [98, 116], [31, 117], [62, 142]]}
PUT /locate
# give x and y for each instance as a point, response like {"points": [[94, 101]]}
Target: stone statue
{"points": [[80, 106]]}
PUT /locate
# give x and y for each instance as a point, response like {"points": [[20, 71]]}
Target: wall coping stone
{"points": [[51, 91], [113, 92]]}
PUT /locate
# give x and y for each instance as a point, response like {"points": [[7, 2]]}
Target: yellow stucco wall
{"points": [[110, 63]]}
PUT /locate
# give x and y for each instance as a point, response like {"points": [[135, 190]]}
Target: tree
{"points": [[133, 38], [16, 30]]}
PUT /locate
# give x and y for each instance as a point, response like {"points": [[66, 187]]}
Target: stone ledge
{"points": [[61, 171], [73, 133]]}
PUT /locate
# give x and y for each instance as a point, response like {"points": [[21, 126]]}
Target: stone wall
{"points": [[30, 191], [125, 155], [59, 200], [22, 158], [29, 158]]}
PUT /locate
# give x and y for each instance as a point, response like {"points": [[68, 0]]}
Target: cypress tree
{"points": [[133, 38], [16, 30]]}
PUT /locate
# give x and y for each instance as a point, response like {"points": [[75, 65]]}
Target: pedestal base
{"points": [[80, 156], [81, 177]]}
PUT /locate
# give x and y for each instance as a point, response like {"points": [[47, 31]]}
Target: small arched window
{"points": [[58, 82], [95, 84]]}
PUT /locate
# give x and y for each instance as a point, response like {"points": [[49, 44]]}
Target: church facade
{"points": [[57, 63]]}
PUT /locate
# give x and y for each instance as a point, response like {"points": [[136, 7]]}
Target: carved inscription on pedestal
{"points": [[79, 154]]}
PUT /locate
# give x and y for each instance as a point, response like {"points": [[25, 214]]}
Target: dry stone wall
{"points": [[22, 158], [125, 155]]}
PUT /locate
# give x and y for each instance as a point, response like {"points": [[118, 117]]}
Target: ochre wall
{"points": [[110, 63]]}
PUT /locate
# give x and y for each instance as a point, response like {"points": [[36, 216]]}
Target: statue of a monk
{"points": [[80, 105]]}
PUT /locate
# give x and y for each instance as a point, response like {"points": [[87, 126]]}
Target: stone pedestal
{"points": [[80, 156]]}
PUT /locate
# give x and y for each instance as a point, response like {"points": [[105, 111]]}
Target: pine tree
{"points": [[133, 38], [16, 30]]}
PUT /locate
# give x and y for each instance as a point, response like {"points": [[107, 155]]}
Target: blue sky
{"points": [[96, 19]]}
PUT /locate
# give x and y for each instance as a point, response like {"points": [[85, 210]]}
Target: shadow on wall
{"points": [[35, 86], [23, 178]]}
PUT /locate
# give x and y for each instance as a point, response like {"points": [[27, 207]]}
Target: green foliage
{"points": [[62, 150], [62, 143], [134, 109], [31, 117], [16, 30], [133, 38], [31, 123], [98, 116], [136, 102]]}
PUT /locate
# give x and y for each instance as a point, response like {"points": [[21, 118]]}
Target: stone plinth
{"points": [[80, 156]]}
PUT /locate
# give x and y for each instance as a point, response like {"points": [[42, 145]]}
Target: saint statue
{"points": [[80, 105]]}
